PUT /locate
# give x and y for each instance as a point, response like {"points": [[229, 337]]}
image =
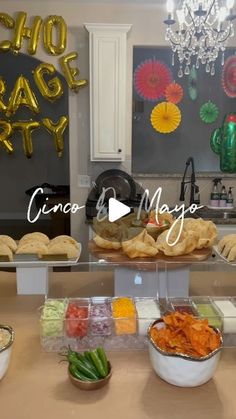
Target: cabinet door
{"points": [[107, 52]]}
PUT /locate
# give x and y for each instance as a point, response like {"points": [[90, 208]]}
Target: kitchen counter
{"points": [[218, 216], [217, 221], [36, 386], [221, 221]]}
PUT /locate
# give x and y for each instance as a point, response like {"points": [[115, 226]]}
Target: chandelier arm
{"points": [[212, 4], [189, 11], [226, 37], [172, 40], [176, 44]]}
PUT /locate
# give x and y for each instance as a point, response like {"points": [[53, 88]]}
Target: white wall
{"points": [[147, 29]]}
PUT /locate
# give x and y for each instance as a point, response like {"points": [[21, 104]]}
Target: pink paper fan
{"points": [[151, 79], [229, 77]]}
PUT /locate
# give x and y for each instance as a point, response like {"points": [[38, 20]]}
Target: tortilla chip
{"points": [[186, 335], [6, 251], [61, 248], [106, 244], [186, 243], [64, 239], [232, 254], [37, 236], [142, 245], [206, 230], [32, 247], [222, 243], [9, 242]]}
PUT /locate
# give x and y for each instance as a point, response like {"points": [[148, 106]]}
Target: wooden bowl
{"points": [[91, 385]]}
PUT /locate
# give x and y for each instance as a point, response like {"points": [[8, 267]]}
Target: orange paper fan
{"points": [[165, 117], [174, 93]]}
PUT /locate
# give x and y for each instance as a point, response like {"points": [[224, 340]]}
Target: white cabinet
{"points": [[107, 81]]}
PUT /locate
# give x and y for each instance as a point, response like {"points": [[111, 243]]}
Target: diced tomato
{"points": [[76, 320]]}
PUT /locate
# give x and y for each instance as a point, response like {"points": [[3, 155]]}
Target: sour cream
{"points": [[229, 315], [148, 311]]}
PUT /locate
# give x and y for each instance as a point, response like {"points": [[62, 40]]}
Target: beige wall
{"points": [[147, 29]]}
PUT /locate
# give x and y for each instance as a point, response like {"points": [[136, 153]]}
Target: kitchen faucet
{"points": [[194, 188]]}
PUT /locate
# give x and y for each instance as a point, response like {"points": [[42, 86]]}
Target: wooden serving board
{"points": [[119, 257]]}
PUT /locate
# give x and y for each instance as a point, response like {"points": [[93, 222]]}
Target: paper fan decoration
{"points": [[151, 78], [165, 117], [229, 77], [192, 84], [209, 112], [174, 93]]}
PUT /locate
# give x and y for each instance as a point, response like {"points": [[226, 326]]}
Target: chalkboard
{"points": [[153, 152], [17, 173]]}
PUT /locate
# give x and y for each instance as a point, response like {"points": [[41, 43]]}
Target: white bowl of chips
{"points": [[6, 341], [179, 369]]}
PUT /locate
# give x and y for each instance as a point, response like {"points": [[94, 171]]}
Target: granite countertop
{"points": [[204, 175], [217, 221], [221, 221], [218, 216]]}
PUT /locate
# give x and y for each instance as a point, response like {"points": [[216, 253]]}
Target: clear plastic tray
{"points": [[96, 323]]}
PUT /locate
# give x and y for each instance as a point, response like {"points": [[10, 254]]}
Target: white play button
{"points": [[116, 210]]}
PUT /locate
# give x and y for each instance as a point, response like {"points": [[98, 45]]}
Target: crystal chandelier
{"points": [[198, 30]]}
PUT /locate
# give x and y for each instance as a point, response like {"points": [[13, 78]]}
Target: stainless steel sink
{"points": [[209, 214], [213, 214]]}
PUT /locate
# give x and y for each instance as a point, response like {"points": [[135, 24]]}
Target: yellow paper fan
{"points": [[165, 117]]}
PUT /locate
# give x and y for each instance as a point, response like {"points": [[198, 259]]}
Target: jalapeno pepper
{"points": [[88, 363], [102, 355], [77, 374], [85, 370], [87, 355], [71, 358], [91, 365], [98, 363], [71, 354]]}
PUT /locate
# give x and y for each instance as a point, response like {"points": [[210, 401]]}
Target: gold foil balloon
{"points": [[2, 92], [21, 31], [26, 128], [57, 130], [9, 23], [22, 95], [59, 24], [5, 134], [18, 34], [71, 72], [51, 90], [34, 35]]}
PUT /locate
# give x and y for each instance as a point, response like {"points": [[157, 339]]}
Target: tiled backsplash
{"points": [[170, 184]]}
